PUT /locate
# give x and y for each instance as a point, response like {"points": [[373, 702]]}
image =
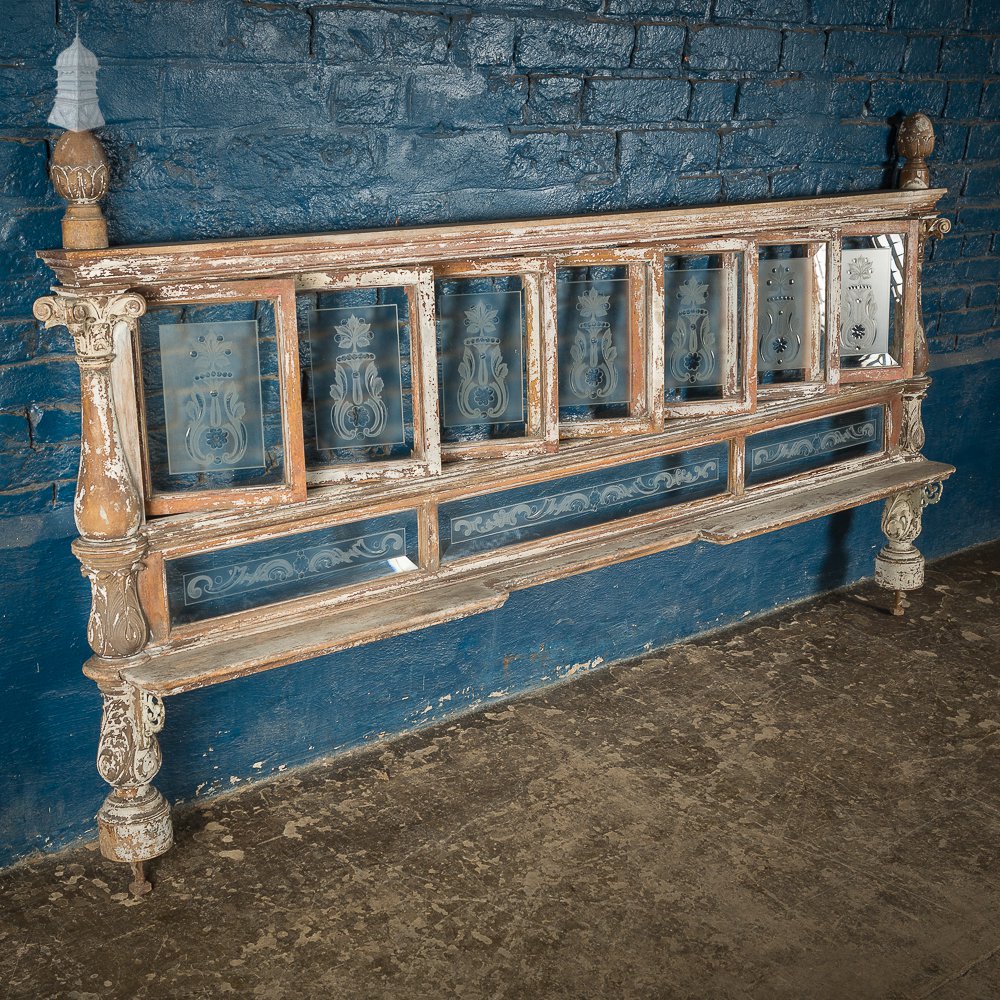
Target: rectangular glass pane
{"points": [[871, 296], [212, 396], [209, 584], [594, 342], [787, 451], [356, 376], [525, 513], [791, 313], [701, 303], [482, 359]]}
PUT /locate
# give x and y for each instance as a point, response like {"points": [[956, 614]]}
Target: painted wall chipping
{"points": [[233, 117]]}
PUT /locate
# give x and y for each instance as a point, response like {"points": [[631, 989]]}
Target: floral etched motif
{"points": [[692, 357], [482, 390], [216, 434], [358, 411], [592, 375], [859, 324], [780, 338]]}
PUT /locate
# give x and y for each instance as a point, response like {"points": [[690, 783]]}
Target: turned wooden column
{"points": [[134, 822], [899, 567]]}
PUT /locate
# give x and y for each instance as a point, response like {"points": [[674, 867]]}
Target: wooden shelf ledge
{"points": [[172, 671], [216, 659]]}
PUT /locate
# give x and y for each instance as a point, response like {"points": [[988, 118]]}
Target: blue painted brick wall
{"points": [[233, 117]]}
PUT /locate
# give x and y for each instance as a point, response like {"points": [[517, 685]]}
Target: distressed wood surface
{"points": [[234, 259], [462, 593]]}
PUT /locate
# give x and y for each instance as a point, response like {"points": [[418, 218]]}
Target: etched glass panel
{"points": [[526, 513], [209, 584], [482, 359], [701, 305], [788, 451], [356, 376], [871, 296], [212, 396], [594, 342], [791, 314]]}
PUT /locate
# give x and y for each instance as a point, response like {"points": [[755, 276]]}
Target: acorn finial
{"points": [[915, 142]]}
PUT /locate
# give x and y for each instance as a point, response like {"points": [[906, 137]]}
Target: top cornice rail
{"points": [[158, 264]]}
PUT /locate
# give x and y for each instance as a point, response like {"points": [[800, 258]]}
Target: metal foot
{"points": [[139, 886], [899, 602]]}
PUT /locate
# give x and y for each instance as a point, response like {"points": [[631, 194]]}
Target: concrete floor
{"points": [[807, 806]]}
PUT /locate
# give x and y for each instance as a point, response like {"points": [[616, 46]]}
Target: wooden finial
{"points": [[915, 142], [79, 173]]}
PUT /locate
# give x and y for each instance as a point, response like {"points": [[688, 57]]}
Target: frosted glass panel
{"points": [[481, 348], [696, 318], [871, 294], [356, 372], [787, 451], [483, 523], [594, 354], [782, 313], [211, 396], [208, 584]]}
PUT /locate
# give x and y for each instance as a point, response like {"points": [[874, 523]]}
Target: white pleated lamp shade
{"points": [[76, 106]]}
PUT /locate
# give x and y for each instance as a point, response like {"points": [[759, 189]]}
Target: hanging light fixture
{"points": [[79, 168]]}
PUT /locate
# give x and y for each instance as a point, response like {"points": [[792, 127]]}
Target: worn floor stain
{"points": [[804, 807]]}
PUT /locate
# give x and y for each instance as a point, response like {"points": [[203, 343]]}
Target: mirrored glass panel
{"points": [[209, 584], [871, 300], [531, 512], [594, 330], [356, 375], [701, 325], [788, 451], [791, 313], [482, 358], [212, 396]]}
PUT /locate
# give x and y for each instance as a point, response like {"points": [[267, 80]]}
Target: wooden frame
{"points": [[580, 525], [645, 394], [820, 359], [541, 422], [293, 487], [418, 284], [906, 319], [739, 386]]}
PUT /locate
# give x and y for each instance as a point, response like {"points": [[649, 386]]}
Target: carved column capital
{"points": [[931, 229], [92, 318]]}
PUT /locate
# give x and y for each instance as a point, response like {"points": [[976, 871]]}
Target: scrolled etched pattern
{"points": [[780, 333], [574, 502], [297, 564], [809, 445]]}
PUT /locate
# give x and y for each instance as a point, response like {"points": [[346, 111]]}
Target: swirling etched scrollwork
{"points": [[571, 503], [301, 563], [359, 411], [692, 358], [592, 374], [810, 445], [482, 390]]}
